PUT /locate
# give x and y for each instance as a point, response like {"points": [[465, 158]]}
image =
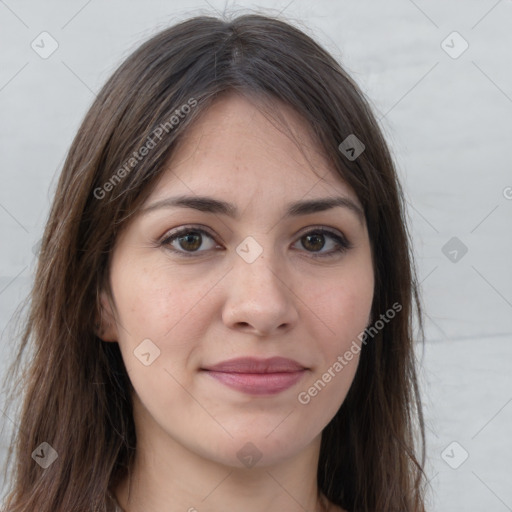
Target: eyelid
{"points": [[322, 227], [338, 236], [342, 242], [185, 228]]}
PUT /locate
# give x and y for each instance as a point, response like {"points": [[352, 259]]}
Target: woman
{"points": [[222, 311]]}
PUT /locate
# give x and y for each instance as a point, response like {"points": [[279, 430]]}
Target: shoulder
{"points": [[328, 506], [332, 507], [115, 507]]}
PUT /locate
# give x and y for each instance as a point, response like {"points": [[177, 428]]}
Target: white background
{"points": [[447, 120]]}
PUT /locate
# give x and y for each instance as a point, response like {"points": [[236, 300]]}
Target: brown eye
{"points": [[315, 241], [188, 240], [191, 241]]}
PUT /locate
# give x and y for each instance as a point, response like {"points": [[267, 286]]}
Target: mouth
{"points": [[258, 376]]}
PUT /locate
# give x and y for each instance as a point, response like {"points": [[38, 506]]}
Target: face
{"points": [[195, 285]]}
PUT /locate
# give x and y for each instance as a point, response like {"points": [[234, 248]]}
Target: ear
{"points": [[106, 326]]}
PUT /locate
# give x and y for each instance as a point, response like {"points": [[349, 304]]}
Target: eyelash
{"points": [[343, 244]]}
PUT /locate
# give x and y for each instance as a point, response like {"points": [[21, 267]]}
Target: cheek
{"points": [[342, 308], [158, 305], [341, 315], [154, 302]]}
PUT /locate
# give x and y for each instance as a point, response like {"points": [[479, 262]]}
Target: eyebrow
{"points": [[217, 206]]}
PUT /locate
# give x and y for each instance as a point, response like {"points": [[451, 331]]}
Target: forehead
{"points": [[237, 149]]}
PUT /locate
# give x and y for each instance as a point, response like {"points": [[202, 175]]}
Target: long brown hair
{"points": [[76, 391]]}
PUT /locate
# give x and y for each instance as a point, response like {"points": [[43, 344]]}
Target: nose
{"points": [[260, 301]]}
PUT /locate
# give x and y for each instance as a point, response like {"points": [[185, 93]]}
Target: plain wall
{"points": [[447, 119]]}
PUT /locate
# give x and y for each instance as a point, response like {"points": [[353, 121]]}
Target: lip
{"points": [[258, 376], [256, 365]]}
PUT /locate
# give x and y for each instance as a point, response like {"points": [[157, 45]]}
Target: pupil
{"points": [[188, 238], [319, 240]]}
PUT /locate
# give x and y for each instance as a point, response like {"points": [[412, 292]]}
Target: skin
{"points": [[215, 305]]}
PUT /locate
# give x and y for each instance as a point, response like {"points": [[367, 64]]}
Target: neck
{"points": [[177, 479], [322, 504], [171, 475]]}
